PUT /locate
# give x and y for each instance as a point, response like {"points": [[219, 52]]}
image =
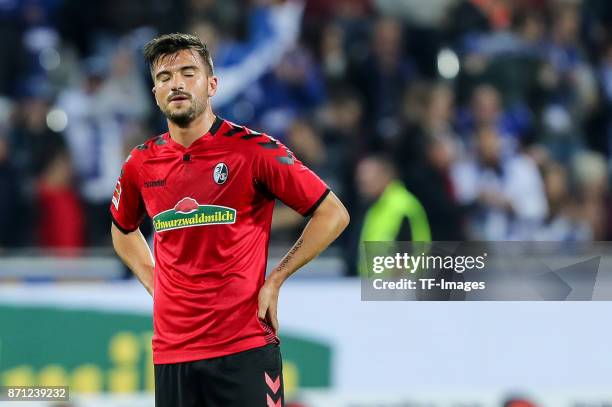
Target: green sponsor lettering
{"points": [[202, 216]]}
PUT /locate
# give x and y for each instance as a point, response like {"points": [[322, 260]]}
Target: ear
{"points": [[154, 90], [212, 85]]}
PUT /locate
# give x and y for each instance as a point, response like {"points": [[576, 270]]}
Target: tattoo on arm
{"points": [[289, 256]]}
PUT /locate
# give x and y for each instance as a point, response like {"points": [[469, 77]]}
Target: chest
{"points": [[206, 184]]}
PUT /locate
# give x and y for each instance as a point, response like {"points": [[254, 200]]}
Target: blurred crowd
{"points": [[495, 115]]}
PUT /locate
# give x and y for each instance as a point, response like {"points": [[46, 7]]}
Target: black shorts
{"points": [[251, 378]]}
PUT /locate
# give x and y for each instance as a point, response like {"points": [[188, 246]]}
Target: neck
{"points": [[196, 129]]}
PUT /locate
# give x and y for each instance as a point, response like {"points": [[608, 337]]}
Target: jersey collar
{"points": [[210, 133]]}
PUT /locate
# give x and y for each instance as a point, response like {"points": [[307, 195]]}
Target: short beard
{"points": [[184, 119]]}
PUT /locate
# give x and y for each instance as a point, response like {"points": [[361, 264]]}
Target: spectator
{"points": [[95, 141], [486, 110], [571, 86], [31, 138], [124, 90], [590, 179], [428, 113], [334, 60], [341, 120], [382, 77], [509, 60], [393, 213], [272, 31], [61, 221], [295, 85], [425, 155], [563, 222], [338, 86], [496, 186], [432, 184]]}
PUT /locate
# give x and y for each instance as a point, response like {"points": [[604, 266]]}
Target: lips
{"points": [[177, 98]]}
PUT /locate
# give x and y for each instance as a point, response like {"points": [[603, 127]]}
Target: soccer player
{"points": [[209, 186]]}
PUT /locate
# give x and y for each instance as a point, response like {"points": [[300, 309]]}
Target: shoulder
{"points": [[148, 149], [133, 163], [236, 132], [400, 196], [247, 139]]}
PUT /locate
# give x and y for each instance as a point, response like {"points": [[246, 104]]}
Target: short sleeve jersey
{"points": [[211, 205]]}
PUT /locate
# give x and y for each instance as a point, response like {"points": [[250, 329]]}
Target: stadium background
{"points": [[441, 95]]}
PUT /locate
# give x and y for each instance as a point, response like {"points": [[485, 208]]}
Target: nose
{"points": [[177, 83]]}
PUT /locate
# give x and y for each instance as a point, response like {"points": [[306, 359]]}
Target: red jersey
{"points": [[211, 205]]}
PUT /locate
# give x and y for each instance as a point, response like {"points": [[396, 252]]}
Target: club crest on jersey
{"points": [[220, 173], [189, 213]]}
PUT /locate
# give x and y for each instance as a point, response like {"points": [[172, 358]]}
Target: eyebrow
{"points": [[182, 68]]}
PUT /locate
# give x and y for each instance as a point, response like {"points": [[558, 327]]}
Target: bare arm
{"points": [[133, 249], [326, 224]]}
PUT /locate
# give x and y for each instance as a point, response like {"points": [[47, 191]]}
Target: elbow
{"points": [[340, 218], [343, 218], [114, 236], [333, 213]]}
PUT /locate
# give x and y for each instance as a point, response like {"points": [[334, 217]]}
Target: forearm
{"points": [[133, 250], [326, 224]]}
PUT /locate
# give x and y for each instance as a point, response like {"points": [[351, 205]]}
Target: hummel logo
{"points": [[274, 385], [156, 183]]}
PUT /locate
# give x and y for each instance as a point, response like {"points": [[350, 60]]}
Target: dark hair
{"points": [[168, 44]]}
